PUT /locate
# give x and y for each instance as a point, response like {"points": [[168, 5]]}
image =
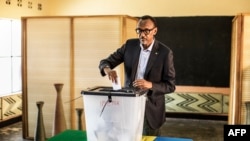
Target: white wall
{"points": [[154, 8], [16, 9], [125, 7]]}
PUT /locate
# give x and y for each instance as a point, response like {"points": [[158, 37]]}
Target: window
{"points": [[10, 57]]}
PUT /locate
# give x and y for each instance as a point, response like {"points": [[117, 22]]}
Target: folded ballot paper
{"points": [[117, 86]]}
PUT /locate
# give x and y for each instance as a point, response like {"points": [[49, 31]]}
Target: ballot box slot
{"points": [[104, 91]]}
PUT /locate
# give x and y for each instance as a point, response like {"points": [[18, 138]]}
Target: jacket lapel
{"points": [[153, 55], [136, 61]]}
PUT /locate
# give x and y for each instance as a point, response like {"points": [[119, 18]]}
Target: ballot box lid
{"points": [[102, 90]]}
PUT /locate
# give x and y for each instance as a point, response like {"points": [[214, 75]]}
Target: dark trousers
{"points": [[148, 131]]}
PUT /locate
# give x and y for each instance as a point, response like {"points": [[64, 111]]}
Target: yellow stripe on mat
{"points": [[148, 138]]}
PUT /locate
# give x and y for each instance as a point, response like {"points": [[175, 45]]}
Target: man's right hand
{"points": [[111, 74]]}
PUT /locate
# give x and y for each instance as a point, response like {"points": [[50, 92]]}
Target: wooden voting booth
{"points": [[240, 69], [66, 49]]}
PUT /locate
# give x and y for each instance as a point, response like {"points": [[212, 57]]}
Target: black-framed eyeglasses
{"points": [[145, 31]]}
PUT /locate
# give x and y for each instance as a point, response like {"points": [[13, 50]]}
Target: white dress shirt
{"points": [[143, 60]]}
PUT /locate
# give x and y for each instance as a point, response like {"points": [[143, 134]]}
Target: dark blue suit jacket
{"points": [[160, 71]]}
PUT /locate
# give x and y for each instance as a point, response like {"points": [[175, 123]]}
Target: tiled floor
{"points": [[12, 132], [198, 130]]}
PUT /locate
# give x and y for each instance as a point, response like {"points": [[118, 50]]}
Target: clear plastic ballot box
{"points": [[113, 115]]}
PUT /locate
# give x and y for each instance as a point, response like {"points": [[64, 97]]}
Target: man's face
{"points": [[146, 32]]}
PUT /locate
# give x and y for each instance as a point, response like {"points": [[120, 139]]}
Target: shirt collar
{"points": [[149, 48]]}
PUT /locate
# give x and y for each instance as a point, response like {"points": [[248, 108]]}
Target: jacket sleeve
{"points": [[112, 60]]}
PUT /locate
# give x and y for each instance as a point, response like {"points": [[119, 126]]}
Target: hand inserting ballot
{"points": [[112, 75]]}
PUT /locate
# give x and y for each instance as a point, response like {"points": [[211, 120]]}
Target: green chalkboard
{"points": [[201, 46]]}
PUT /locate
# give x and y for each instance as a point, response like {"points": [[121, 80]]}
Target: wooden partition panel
{"points": [[48, 62], [240, 69], [245, 66], [233, 116], [66, 50]]}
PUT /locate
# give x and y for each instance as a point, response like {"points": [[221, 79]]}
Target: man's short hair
{"points": [[145, 17]]}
